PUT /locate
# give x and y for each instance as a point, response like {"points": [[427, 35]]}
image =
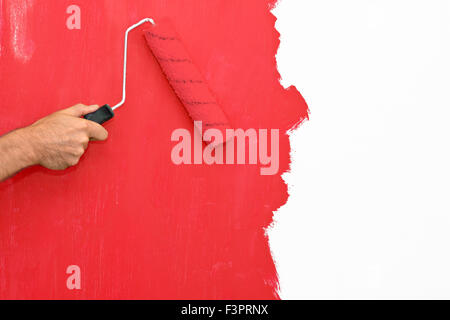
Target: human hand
{"points": [[59, 140]]}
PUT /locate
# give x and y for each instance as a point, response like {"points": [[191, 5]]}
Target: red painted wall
{"points": [[136, 224]]}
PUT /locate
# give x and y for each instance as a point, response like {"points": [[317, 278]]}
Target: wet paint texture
{"points": [[137, 225]]}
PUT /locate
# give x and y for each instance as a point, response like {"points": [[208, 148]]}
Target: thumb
{"points": [[80, 110]]}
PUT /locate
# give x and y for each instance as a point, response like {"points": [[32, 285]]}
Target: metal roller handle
{"points": [[106, 112]]}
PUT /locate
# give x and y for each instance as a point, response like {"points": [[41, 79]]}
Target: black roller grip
{"points": [[102, 115]]}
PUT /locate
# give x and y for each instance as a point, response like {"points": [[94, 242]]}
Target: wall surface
{"points": [[137, 225], [368, 212]]}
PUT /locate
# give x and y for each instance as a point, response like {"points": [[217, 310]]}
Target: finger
{"points": [[96, 131], [80, 110], [85, 144]]}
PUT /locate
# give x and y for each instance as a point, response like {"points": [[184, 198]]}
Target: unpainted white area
{"points": [[369, 208]]}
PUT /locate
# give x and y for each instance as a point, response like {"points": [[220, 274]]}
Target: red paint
{"points": [[136, 224], [185, 78]]}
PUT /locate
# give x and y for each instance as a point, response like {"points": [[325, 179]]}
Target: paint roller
{"points": [[181, 73]]}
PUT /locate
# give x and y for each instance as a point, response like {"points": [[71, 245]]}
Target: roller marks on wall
{"points": [[20, 43], [137, 225]]}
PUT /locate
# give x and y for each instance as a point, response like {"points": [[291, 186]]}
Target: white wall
{"points": [[369, 211]]}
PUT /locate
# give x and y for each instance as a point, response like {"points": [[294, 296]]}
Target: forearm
{"points": [[16, 153]]}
